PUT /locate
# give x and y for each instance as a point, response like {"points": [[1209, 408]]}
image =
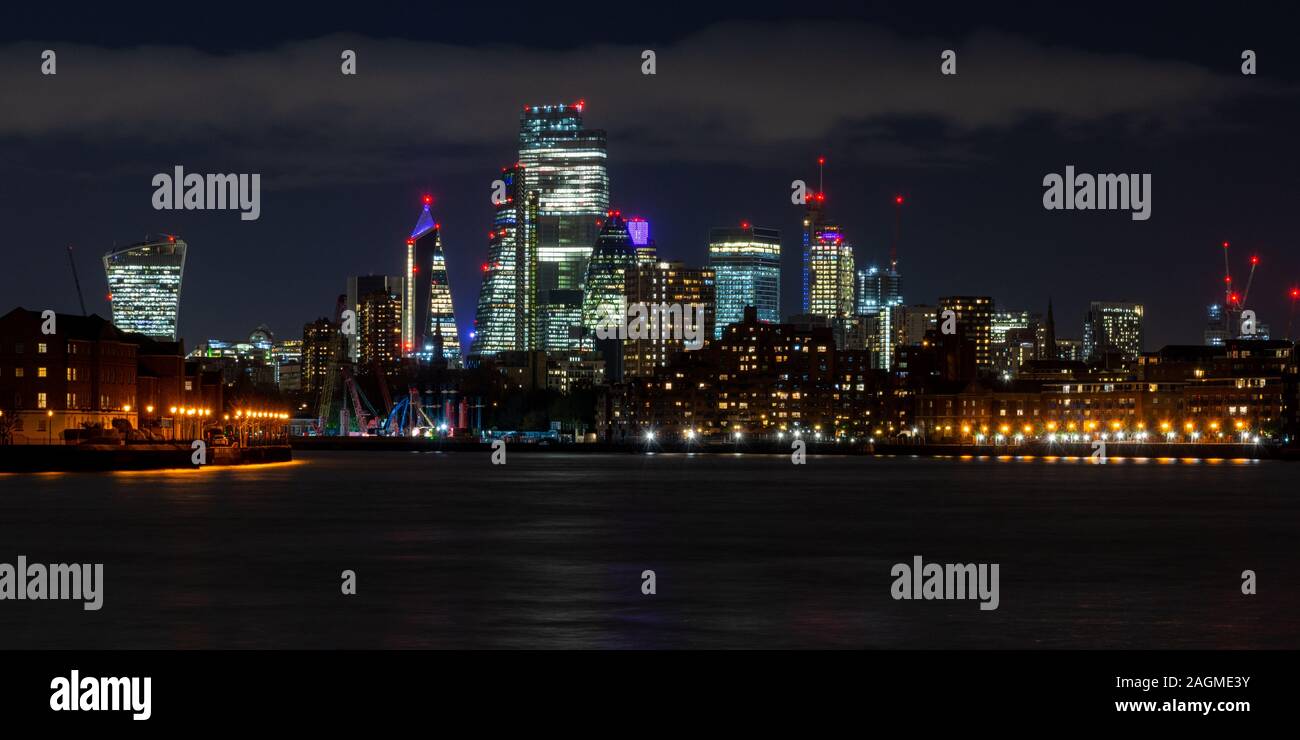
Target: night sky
{"points": [[744, 102]]}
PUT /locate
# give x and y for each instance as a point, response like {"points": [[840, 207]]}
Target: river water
{"points": [[548, 551]]}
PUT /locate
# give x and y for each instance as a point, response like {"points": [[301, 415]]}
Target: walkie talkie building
{"points": [[144, 286]]}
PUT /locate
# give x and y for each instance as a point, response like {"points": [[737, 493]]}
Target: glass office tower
{"points": [[144, 286], [507, 274], [428, 321], [565, 164], [614, 255], [747, 264]]}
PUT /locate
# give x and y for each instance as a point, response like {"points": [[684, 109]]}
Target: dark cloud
{"points": [[731, 91]]}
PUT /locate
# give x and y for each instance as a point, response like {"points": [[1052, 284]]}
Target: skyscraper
{"points": [[144, 286], [361, 285], [814, 215], [559, 320], [1113, 328], [974, 325], [747, 263], [379, 329], [614, 254], [879, 300], [828, 273], [507, 299], [428, 321], [639, 228], [318, 347], [878, 288], [565, 164]]}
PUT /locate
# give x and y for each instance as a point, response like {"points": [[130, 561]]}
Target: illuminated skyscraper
{"points": [[379, 329], [639, 228], [428, 321], [747, 262], [565, 164], [1009, 332], [878, 288], [144, 286], [559, 320], [1113, 328], [506, 301], [814, 218], [974, 316], [831, 276], [614, 254], [361, 285]]}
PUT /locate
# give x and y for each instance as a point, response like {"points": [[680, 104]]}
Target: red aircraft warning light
{"points": [[428, 200], [898, 200]]}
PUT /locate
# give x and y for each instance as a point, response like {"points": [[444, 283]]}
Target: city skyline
{"points": [[972, 225]]}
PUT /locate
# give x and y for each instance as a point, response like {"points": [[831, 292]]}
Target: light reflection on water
{"points": [[748, 550]]}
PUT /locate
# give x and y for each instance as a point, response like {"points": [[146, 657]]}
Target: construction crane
{"points": [[76, 281], [382, 378], [1254, 262], [1230, 297]]}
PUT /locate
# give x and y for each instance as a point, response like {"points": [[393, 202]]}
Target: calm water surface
{"points": [[547, 551]]}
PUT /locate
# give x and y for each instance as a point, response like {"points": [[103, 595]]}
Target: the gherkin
{"points": [[614, 254]]}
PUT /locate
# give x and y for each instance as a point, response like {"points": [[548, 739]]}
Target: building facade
{"points": [[747, 263], [565, 164], [144, 286]]}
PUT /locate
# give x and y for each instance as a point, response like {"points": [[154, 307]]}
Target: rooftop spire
{"points": [[426, 223]]}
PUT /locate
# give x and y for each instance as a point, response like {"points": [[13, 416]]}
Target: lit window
{"points": [[40, 372], [40, 400], [41, 348]]}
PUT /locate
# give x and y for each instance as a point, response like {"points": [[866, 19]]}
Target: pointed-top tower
{"points": [[427, 309], [614, 254]]}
